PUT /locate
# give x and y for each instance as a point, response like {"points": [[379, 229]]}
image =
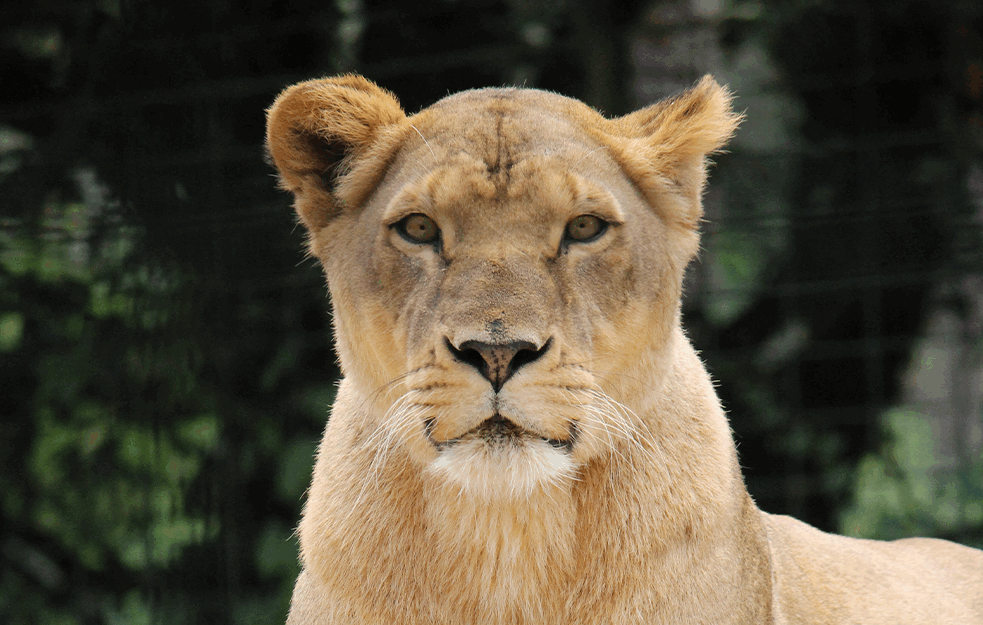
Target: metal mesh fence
{"points": [[166, 345]]}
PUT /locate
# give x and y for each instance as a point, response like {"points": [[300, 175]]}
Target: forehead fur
{"points": [[502, 126], [336, 140], [484, 134], [661, 149]]}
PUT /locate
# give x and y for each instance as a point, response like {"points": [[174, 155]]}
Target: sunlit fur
{"points": [[600, 485]]}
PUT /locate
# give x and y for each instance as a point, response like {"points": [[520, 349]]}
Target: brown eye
{"points": [[585, 228], [418, 228]]}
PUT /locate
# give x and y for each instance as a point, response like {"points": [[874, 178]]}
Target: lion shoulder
{"points": [[827, 578]]}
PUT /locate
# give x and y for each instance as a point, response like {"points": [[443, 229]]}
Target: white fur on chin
{"points": [[503, 471]]}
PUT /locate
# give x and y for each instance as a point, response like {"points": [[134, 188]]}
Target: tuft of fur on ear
{"points": [[318, 131], [665, 147]]}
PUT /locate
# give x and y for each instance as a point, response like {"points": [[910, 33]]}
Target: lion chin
{"points": [[523, 433], [499, 461]]}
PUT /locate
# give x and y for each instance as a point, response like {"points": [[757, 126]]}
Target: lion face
{"points": [[504, 266]]}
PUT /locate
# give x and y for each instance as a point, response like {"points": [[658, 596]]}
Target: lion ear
{"points": [[318, 131], [665, 147]]}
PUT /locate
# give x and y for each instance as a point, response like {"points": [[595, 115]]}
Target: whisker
{"points": [[601, 417], [588, 365], [598, 415], [621, 420], [399, 419], [585, 156], [388, 386], [656, 453], [427, 143]]}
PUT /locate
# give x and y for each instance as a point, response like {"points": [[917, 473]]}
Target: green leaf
{"points": [[11, 331]]}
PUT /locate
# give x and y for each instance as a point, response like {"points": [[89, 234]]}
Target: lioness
{"points": [[523, 433]]}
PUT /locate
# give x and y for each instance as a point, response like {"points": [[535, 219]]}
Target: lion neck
{"points": [[646, 524]]}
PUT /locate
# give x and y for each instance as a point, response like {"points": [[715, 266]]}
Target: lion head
{"points": [[504, 266]]}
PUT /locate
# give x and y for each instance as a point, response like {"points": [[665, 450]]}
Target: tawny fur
{"points": [[416, 515]]}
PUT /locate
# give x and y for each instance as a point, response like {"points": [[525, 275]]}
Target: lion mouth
{"points": [[500, 431]]}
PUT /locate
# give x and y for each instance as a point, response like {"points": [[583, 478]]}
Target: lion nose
{"points": [[497, 362]]}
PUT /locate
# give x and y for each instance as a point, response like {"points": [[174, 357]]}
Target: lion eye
{"points": [[585, 228], [418, 228]]}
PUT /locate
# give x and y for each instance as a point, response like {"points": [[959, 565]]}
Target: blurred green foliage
{"points": [[102, 478], [118, 443], [907, 488]]}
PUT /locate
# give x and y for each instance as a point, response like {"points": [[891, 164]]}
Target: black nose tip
{"points": [[497, 362]]}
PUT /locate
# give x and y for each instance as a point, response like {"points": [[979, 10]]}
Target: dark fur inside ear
{"points": [[317, 130], [326, 157]]}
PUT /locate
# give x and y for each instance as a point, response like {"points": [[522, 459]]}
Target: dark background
{"points": [[166, 353]]}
